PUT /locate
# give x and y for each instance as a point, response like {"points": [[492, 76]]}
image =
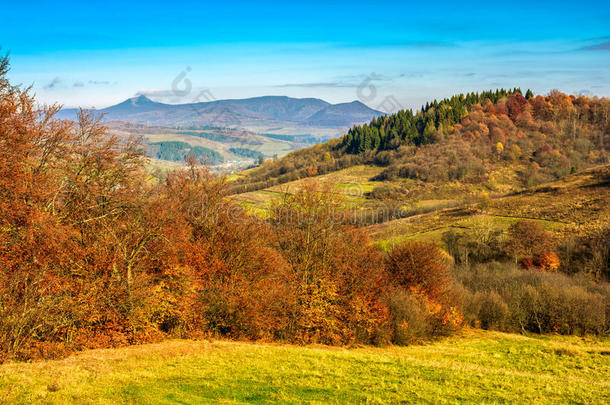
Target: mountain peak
{"points": [[141, 99], [265, 111]]}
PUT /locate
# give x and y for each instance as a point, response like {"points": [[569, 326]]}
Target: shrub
{"points": [[547, 261], [527, 239], [422, 270], [422, 267], [479, 244], [492, 310], [589, 253], [410, 320], [508, 298]]}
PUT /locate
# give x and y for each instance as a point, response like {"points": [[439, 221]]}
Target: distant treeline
{"points": [[249, 153], [209, 135], [177, 151], [419, 128], [306, 138], [222, 138]]}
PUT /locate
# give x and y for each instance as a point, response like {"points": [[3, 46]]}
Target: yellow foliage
{"points": [[499, 148]]}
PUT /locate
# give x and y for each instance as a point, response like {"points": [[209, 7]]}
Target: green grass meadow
{"points": [[474, 367]]}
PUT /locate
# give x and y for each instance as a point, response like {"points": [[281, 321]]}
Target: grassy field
{"points": [[351, 182], [567, 206], [476, 366]]}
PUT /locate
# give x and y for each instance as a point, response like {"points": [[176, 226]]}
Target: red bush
{"points": [[421, 266]]}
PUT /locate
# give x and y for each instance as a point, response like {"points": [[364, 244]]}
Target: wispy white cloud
{"points": [[313, 85], [603, 46], [156, 93], [53, 83]]}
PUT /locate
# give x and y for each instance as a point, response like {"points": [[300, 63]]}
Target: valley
{"points": [[228, 134], [304, 203]]}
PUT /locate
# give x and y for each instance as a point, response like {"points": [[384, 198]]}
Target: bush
{"points": [[422, 270], [422, 267], [588, 254], [527, 239], [492, 310], [479, 244], [410, 320], [505, 297]]}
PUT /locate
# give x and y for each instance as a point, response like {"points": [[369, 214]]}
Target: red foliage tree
{"points": [[547, 261], [516, 104], [421, 266], [527, 238]]}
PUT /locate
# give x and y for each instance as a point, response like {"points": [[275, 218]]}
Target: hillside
{"points": [[568, 203], [467, 138], [344, 114], [463, 184], [572, 206], [454, 150], [474, 367]]}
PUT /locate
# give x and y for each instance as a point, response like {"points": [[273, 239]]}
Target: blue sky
{"points": [[100, 53]]}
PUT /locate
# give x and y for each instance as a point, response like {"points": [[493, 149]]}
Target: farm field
{"points": [[225, 142], [475, 366]]}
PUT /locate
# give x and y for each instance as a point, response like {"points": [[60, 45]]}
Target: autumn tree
{"points": [[421, 266], [528, 240], [36, 249], [516, 104], [337, 275], [420, 273]]}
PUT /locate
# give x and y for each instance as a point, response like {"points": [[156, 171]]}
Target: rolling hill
{"points": [[230, 133], [562, 206], [344, 114], [458, 164], [227, 149], [266, 113]]}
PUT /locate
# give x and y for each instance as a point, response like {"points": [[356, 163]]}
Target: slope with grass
{"points": [[572, 205], [351, 184], [469, 147], [475, 367]]}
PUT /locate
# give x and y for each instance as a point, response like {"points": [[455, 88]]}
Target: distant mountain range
{"points": [[259, 113]]}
